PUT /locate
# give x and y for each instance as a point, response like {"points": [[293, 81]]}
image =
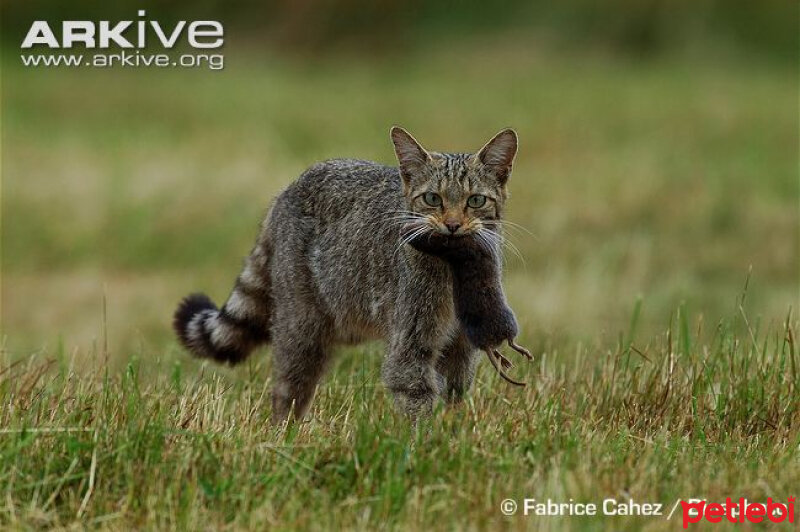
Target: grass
{"points": [[701, 411], [652, 188]]}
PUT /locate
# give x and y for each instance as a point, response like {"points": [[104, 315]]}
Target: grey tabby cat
{"points": [[333, 265]]}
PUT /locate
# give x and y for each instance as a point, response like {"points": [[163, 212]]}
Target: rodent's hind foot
{"points": [[494, 355], [519, 349]]}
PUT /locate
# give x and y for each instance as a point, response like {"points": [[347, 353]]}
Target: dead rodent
{"points": [[478, 297]]}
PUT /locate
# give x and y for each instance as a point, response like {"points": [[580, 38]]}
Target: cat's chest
{"points": [[426, 296]]}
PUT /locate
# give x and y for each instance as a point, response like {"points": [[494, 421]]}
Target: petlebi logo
{"points": [[133, 39]]}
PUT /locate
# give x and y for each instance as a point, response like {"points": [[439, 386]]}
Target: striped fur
{"points": [[229, 334]]}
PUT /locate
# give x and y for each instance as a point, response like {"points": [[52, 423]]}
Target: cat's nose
{"points": [[452, 226]]}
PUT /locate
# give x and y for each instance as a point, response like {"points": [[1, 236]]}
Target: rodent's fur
{"points": [[478, 297]]}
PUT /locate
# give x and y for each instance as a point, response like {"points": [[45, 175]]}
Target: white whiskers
{"points": [[490, 233], [408, 237], [497, 239]]}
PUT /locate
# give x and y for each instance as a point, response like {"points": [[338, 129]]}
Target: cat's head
{"points": [[454, 194]]}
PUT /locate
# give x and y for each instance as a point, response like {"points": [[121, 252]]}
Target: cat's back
{"points": [[335, 188]]}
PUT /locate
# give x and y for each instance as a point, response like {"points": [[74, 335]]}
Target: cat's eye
{"points": [[476, 201], [432, 198]]}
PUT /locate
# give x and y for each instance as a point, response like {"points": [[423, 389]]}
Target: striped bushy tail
{"points": [[229, 334]]}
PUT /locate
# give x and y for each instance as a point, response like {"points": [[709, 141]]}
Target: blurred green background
{"points": [[659, 155]]}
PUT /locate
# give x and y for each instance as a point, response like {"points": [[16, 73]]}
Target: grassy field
{"points": [[654, 191]]}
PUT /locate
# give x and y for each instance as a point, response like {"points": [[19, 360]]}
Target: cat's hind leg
{"points": [[301, 351]]}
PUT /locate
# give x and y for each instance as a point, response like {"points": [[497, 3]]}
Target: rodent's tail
{"points": [[229, 334]]}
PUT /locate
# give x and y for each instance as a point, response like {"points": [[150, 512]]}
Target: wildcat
{"points": [[331, 265]]}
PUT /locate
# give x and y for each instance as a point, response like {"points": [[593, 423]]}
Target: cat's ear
{"points": [[498, 154], [411, 156]]}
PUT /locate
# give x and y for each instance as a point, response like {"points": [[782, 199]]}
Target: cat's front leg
{"points": [[422, 324], [409, 373], [457, 367]]}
